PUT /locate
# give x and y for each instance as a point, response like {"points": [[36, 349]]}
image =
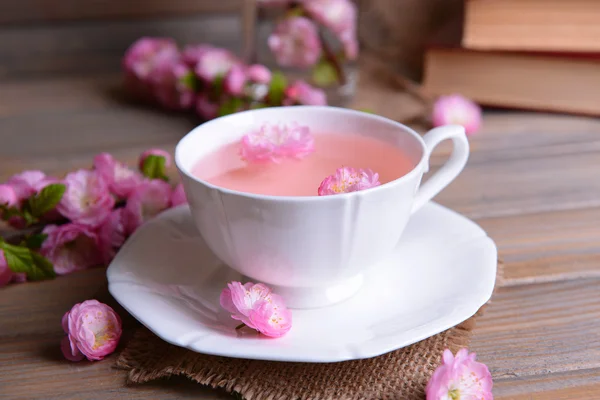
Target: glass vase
{"points": [[259, 22]]}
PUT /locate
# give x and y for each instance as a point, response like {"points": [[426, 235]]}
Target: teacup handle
{"points": [[452, 167]]}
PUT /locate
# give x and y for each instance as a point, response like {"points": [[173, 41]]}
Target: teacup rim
{"points": [[409, 175]]}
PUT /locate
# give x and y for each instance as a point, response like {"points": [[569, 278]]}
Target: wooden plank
{"points": [[549, 246], [29, 11], [580, 385], [98, 46], [541, 329], [30, 334]]}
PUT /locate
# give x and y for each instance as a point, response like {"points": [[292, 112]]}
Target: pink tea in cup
{"points": [[302, 177]]}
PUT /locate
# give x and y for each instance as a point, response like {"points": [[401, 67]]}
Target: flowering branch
{"points": [[80, 221]]}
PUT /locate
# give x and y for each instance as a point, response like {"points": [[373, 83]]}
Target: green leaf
{"points": [[366, 110], [21, 259], [43, 268], [324, 74], [218, 87], [294, 12], [35, 241], [27, 216], [46, 199], [18, 258], [277, 88], [190, 81], [230, 106], [154, 167], [256, 106]]}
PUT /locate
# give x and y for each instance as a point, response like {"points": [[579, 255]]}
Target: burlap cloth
{"points": [[400, 374]]}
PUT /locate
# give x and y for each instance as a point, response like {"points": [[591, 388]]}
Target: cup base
{"points": [[317, 297]]}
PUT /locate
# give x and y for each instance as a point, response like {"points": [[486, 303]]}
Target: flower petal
{"points": [[67, 350]]}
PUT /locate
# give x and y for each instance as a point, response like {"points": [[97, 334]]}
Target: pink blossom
{"points": [[206, 108], [460, 377], [347, 179], [235, 80], [456, 109], [178, 196], [147, 200], [155, 152], [258, 73], [339, 16], [121, 179], [87, 199], [295, 42], [111, 235], [146, 53], [301, 92], [215, 62], [172, 83], [27, 183], [191, 54], [5, 272], [93, 330], [71, 247], [8, 196], [272, 143], [258, 308]]}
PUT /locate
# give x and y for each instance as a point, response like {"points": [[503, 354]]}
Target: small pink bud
{"points": [[155, 152], [259, 73], [456, 109], [8, 196], [235, 80]]}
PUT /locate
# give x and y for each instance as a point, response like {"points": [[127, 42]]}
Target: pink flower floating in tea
{"points": [[347, 179], [257, 307], [93, 331], [460, 377], [273, 143]]}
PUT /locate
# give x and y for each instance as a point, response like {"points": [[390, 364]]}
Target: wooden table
{"points": [[532, 182]]}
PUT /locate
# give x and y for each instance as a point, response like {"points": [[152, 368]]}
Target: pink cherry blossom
{"points": [[258, 73], [258, 308], [27, 183], [347, 179], [460, 377], [111, 235], [5, 273], [87, 199], [206, 108], [301, 92], [147, 200], [155, 152], [235, 80], [93, 331], [146, 53], [8, 196], [71, 247], [272, 143], [172, 84], [191, 54], [178, 196], [121, 179], [295, 43], [339, 16], [215, 62], [456, 109]]}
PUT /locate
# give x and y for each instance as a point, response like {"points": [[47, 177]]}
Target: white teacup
{"points": [[312, 250]]}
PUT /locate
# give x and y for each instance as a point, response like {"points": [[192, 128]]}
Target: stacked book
{"points": [[529, 54]]}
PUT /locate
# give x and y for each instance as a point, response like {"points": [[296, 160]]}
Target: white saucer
{"points": [[441, 273]]}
